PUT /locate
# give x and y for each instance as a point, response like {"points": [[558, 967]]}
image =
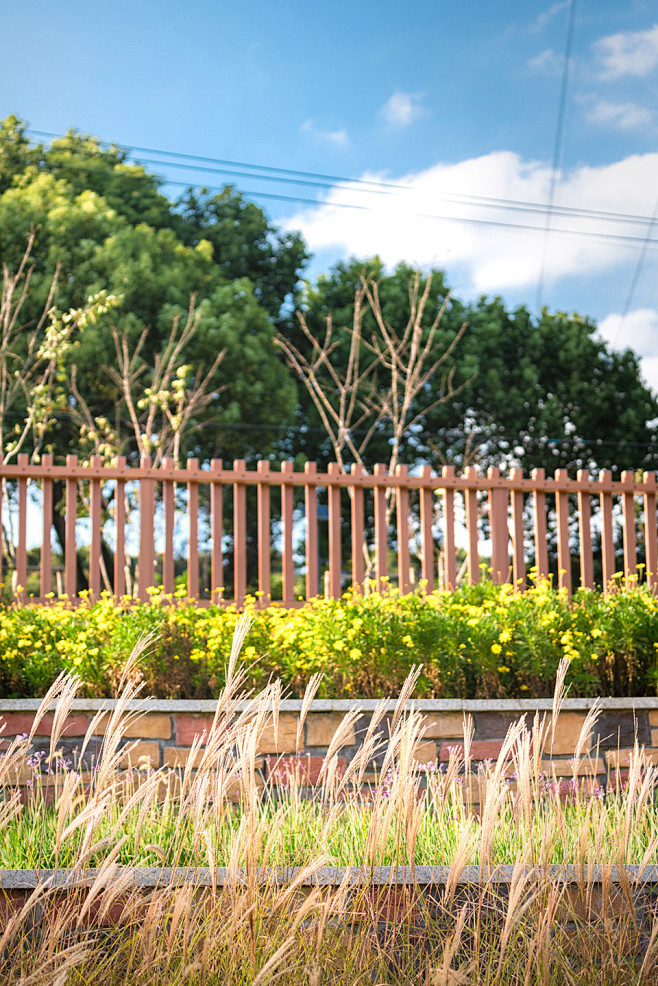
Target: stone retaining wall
{"points": [[162, 737]]}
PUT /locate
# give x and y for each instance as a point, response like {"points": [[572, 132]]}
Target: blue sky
{"points": [[445, 102]]}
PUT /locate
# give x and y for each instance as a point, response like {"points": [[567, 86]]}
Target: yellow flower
{"points": [[496, 649], [503, 669], [505, 636]]}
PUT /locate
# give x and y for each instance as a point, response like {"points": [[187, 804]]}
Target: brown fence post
{"points": [[499, 531], [169, 505], [426, 537], [216, 523], [335, 553], [358, 529], [146, 531], [650, 529], [539, 504], [120, 527], [628, 515], [381, 532], [239, 532], [287, 560], [449, 530], [585, 530], [311, 512], [21, 547], [46, 563], [402, 517], [193, 545], [562, 510], [264, 532], [518, 539], [70, 556], [95, 512], [607, 534], [471, 503]]}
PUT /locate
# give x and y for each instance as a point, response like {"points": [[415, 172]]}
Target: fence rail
{"points": [[127, 528]]}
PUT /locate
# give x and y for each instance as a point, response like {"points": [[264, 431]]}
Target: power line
{"points": [[233, 164], [436, 217], [516, 205], [557, 150]]}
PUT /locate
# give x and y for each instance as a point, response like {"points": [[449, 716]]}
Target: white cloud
{"points": [[625, 116], [542, 19], [434, 220], [338, 137], [546, 61], [402, 109], [628, 53], [639, 330]]}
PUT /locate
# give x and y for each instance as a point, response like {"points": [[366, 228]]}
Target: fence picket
{"points": [[239, 532], [335, 551], [471, 498], [585, 530], [311, 513], [287, 560], [169, 507], [450, 556], [216, 527], [193, 538], [427, 539], [518, 537], [120, 526], [95, 517], [381, 531], [539, 503], [358, 530], [628, 516], [46, 564], [563, 552], [402, 519], [499, 530], [607, 534], [650, 528], [71, 507], [264, 531]]}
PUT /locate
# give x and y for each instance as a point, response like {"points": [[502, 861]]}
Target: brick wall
{"points": [[162, 737]]}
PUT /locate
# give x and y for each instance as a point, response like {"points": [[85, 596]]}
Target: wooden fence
{"points": [[424, 526]]}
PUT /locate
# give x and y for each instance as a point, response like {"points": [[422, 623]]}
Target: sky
{"points": [[446, 129]]}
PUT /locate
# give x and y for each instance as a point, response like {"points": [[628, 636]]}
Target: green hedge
{"points": [[482, 641]]}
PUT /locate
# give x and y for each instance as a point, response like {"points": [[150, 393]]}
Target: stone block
{"points": [[494, 725], [443, 725], [654, 737], [587, 767], [175, 756], [321, 727], [17, 723], [621, 758], [425, 752], [621, 729], [480, 749], [141, 755], [653, 717], [148, 726], [285, 742], [302, 770], [186, 727], [567, 733]]}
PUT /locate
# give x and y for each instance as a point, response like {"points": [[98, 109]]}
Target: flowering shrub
{"points": [[479, 641]]}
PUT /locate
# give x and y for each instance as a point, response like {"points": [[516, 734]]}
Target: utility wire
{"points": [[516, 205], [557, 150], [436, 217]]}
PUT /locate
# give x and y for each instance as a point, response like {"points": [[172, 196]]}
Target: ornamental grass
{"points": [[271, 834]]}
